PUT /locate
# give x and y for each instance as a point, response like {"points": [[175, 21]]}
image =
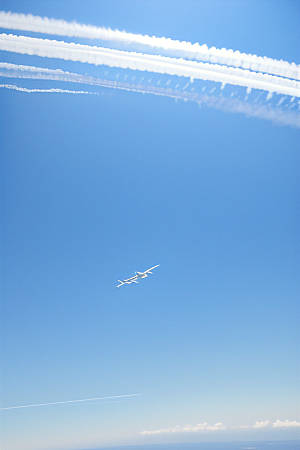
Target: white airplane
{"points": [[136, 277]]}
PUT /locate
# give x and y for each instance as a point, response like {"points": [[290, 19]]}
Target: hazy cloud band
{"points": [[262, 111]]}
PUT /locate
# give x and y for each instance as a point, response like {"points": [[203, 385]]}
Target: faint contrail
{"points": [[151, 63], [15, 21], [70, 401]]}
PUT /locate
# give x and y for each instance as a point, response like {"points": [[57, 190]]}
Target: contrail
{"points": [[60, 91], [20, 67], [276, 115], [15, 21], [69, 401], [151, 63]]}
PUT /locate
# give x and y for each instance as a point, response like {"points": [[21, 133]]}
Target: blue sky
{"points": [[95, 187]]}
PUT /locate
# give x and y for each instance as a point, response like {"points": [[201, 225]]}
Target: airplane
{"points": [[136, 277]]}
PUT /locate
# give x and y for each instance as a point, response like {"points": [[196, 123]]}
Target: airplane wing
{"points": [[147, 271]]}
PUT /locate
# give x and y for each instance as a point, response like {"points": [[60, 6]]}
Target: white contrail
{"points": [[151, 63], [20, 67], [69, 401], [15, 21], [276, 115], [53, 90]]}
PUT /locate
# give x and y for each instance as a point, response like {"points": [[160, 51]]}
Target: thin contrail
{"points": [[151, 63], [15, 21], [51, 91], [69, 401]]}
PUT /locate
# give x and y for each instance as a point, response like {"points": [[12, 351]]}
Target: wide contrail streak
{"points": [[151, 63], [172, 47], [70, 401]]}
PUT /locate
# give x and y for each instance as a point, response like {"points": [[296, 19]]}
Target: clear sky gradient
{"points": [[95, 187]]}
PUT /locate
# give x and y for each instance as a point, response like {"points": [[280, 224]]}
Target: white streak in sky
{"points": [[151, 63], [51, 91], [18, 67], [15, 21], [276, 115], [69, 401]]}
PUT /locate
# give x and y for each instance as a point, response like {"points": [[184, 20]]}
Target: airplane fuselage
{"points": [[141, 274]]}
